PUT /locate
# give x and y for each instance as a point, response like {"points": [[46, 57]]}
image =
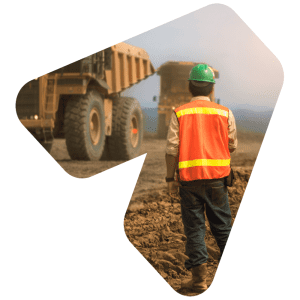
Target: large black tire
{"points": [[162, 129], [84, 126], [127, 130]]}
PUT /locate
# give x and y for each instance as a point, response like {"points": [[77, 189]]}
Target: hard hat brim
{"points": [[200, 83]]}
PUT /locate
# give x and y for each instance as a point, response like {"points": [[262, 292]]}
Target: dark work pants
{"points": [[197, 196]]}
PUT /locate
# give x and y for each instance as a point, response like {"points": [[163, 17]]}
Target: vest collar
{"points": [[200, 98]]}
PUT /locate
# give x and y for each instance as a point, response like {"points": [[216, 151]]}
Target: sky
{"points": [[251, 77]]}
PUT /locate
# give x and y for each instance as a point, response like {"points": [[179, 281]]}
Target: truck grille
{"points": [[27, 104]]}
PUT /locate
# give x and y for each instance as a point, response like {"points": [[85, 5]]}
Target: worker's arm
{"points": [[171, 165], [172, 153], [172, 146], [232, 133]]}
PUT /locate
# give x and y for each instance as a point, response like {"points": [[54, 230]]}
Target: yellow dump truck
{"points": [[82, 103], [174, 91]]}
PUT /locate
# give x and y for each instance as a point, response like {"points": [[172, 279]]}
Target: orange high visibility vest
{"points": [[203, 141]]}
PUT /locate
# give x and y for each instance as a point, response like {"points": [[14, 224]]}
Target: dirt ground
{"points": [[154, 169], [153, 222]]}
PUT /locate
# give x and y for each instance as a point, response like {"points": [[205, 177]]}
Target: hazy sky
{"points": [[250, 75]]}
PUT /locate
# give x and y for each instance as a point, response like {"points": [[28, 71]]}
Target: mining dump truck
{"points": [[82, 103], [174, 91]]}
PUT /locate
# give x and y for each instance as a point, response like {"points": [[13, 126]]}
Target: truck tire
{"points": [[162, 129], [84, 126], [127, 129]]}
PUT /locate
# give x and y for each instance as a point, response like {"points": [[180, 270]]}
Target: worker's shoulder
{"points": [[219, 106], [184, 106], [201, 103]]}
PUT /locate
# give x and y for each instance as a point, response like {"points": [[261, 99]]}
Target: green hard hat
{"points": [[202, 72]]}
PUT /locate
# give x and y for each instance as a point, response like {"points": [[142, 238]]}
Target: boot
{"points": [[198, 282]]}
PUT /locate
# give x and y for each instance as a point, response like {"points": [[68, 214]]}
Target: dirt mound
{"points": [[153, 225]]}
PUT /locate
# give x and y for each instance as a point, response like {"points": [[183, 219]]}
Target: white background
{"points": [[63, 237]]}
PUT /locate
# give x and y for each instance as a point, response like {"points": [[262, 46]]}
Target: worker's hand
{"points": [[173, 188]]}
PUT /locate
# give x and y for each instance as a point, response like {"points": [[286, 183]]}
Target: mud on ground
{"points": [[153, 222]]}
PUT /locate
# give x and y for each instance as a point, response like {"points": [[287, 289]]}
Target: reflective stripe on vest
{"points": [[204, 162], [202, 110]]}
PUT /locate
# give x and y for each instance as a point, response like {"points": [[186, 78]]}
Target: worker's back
{"points": [[203, 135]]}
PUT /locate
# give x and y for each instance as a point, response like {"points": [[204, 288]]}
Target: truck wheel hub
{"points": [[95, 129]]}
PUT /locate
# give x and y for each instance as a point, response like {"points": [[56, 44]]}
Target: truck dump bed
{"points": [[115, 68], [180, 68], [130, 65]]}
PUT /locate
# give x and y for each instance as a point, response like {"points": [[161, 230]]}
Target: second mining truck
{"points": [[174, 91], [82, 102]]}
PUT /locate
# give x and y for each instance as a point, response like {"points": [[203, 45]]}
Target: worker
{"points": [[201, 136]]}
